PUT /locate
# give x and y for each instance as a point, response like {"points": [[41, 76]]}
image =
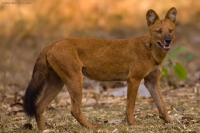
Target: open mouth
{"points": [[165, 47]]}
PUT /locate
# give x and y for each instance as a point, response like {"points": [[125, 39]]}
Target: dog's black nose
{"points": [[168, 41]]}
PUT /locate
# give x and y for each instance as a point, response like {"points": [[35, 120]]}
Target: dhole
{"points": [[134, 59]]}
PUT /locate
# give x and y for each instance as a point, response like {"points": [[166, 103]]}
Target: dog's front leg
{"points": [[152, 82], [133, 85]]}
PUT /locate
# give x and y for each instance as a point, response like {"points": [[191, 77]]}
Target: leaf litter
{"points": [[107, 111]]}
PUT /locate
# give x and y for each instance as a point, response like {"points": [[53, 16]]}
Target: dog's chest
{"points": [[153, 69]]}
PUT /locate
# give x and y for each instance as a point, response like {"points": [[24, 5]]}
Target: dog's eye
{"points": [[170, 31], [159, 31]]}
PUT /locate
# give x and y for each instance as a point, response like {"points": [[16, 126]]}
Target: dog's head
{"points": [[162, 31]]}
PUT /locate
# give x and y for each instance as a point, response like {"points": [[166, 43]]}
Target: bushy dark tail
{"points": [[35, 86]]}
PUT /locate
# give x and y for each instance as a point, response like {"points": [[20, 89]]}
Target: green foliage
{"points": [[189, 56], [171, 67], [164, 72], [174, 51], [179, 71]]}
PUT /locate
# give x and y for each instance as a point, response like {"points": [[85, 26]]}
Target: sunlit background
{"points": [[26, 28]]}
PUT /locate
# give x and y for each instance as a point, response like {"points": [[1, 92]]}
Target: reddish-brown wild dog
{"points": [[134, 59]]}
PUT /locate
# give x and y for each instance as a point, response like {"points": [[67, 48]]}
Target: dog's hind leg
{"points": [[73, 80], [53, 86], [74, 86], [70, 71]]}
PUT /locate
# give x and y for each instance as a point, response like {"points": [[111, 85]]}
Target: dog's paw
{"points": [[134, 122], [93, 126], [166, 119], [96, 126]]}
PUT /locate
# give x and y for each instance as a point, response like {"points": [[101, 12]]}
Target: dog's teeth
{"points": [[166, 46]]}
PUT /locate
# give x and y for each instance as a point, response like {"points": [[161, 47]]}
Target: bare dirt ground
{"points": [[107, 111]]}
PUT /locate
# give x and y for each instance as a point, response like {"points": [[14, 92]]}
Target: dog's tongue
{"points": [[166, 46]]}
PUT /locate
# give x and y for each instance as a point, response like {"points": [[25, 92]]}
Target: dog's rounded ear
{"points": [[171, 15], [151, 17]]}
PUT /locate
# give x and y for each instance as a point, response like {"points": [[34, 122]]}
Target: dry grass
{"points": [[183, 105], [26, 29]]}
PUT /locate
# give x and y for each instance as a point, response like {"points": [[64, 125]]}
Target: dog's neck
{"points": [[157, 53]]}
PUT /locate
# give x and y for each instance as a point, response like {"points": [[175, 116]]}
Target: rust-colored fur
{"points": [[134, 59]]}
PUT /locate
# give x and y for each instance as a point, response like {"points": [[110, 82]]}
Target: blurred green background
{"points": [[27, 28]]}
